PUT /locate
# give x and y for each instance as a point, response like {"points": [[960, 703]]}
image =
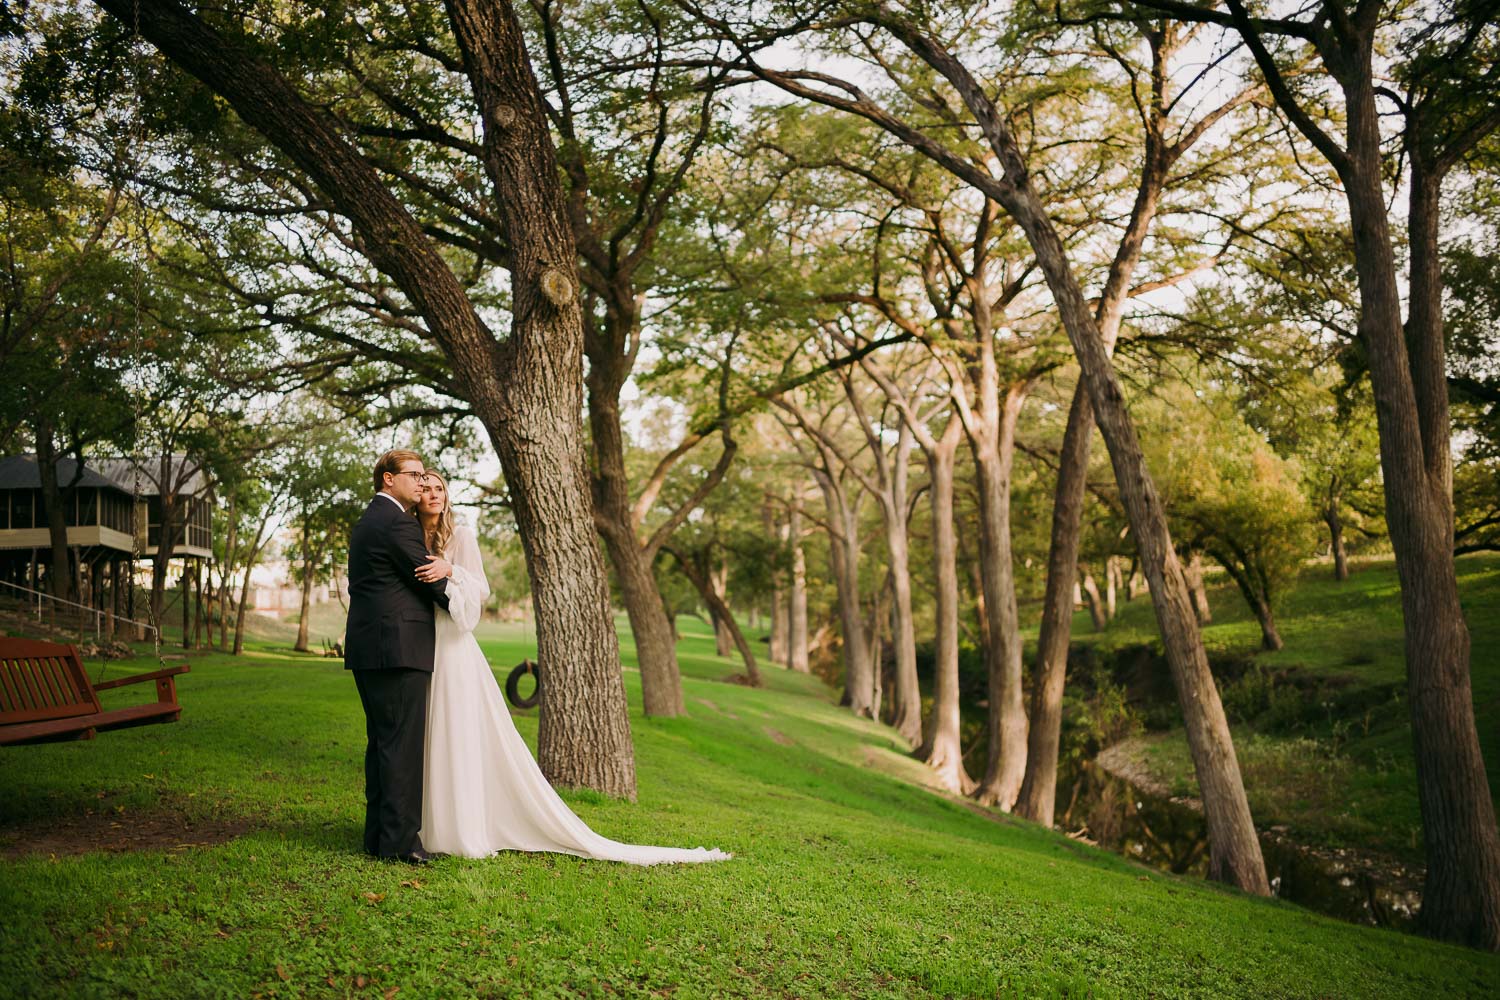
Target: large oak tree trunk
{"points": [[1461, 898], [526, 390]]}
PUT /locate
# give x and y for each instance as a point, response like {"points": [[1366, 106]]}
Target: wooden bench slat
{"points": [[28, 671], [54, 683], [47, 732], [136, 715]]}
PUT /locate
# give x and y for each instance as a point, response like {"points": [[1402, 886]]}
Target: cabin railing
{"points": [[40, 603]]}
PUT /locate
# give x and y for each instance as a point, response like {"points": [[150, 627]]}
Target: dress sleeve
{"points": [[468, 590]]}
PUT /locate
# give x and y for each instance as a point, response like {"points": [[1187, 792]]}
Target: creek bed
{"points": [[1115, 804]]}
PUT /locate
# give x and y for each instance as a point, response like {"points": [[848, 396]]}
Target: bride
{"points": [[483, 790]]}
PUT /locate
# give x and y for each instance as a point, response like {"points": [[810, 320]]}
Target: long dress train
{"points": [[483, 791]]}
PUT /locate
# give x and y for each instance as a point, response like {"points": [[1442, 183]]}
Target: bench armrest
{"points": [[154, 675]]}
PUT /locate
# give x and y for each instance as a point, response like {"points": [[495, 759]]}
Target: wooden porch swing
{"points": [[45, 695]]}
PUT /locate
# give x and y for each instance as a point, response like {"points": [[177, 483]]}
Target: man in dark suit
{"points": [[389, 646]]}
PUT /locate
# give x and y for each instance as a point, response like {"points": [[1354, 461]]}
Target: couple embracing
{"points": [[446, 772]]}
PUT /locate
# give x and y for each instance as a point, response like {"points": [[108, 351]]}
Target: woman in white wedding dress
{"points": [[483, 791]]}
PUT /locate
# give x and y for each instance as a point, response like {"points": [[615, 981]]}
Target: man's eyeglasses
{"points": [[419, 475]]}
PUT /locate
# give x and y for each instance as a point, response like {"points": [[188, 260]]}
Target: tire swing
{"points": [[513, 685]]}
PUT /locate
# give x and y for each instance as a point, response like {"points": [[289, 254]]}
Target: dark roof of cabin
{"points": [[19, 472]]}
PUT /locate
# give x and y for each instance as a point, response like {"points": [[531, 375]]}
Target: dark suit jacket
{"points": [[390, 610]]}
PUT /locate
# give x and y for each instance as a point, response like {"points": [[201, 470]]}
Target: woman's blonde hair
{"points": [[441, 533]]}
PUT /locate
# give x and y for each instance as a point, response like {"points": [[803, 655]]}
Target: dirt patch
{"points": [[114, 832], [779, 737], [710, 705]]}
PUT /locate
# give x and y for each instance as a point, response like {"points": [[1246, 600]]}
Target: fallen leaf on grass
{"points": [[373, 897], [360, 982], [282, 974], [392, 992], [411, 883]]}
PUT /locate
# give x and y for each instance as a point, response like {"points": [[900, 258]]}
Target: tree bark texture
{"points": [[797, 592], [945, 752], [702, 579], [994, 456], [527, 391], [1038, 796], [906, 704], [843, 558], [1461, 898], [718, 582], [1335, 522], [776, 527], [54, 504], [1194, 571], [307, 577]]}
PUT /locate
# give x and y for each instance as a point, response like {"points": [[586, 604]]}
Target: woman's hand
{"points": [[436, 569]]}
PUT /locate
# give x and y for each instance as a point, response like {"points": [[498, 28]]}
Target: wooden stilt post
{"points": [[187, 635]]}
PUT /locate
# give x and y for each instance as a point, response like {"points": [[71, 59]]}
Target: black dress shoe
{"points": [[417, 857]]}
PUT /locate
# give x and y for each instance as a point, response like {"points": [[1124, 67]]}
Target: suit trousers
{"points": [[395, 703]]}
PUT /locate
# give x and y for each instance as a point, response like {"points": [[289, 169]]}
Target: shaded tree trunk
{"points": [[797, 592], [843, 558], [723, 623], [656, 650], [1408, 369], [994, 455], [1194, 572], [1335, 524], [307, 578], [906, 705], [776, 527], [54, 510], [702, 580], [944, 751], [526, 388], [226, 571], [1111, 587], [1098, 614]]}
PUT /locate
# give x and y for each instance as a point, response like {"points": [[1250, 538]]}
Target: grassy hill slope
{"points": [[849, 878]]}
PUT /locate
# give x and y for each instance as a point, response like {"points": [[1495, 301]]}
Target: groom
{"points": [[389, 646]]}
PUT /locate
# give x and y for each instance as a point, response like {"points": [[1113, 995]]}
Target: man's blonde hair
{"points": [[391, 462]]}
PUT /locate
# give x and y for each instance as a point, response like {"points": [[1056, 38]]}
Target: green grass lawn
{"points": [[1333, 763], [850, 879]]}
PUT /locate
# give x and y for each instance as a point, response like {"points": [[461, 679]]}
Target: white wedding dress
{"points": [[483, 790]]}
